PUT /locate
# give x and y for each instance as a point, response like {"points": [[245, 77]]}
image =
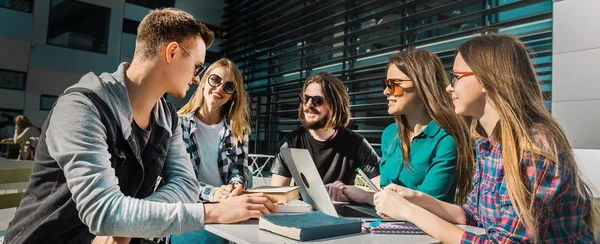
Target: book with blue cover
{"points": [[309, 226]]}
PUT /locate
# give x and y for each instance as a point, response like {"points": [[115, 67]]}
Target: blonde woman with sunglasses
{"points": [[419, 150], [216, 126], [527, 188]]}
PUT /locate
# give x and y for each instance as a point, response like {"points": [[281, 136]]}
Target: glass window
{"points": [[130, 26], [78, 25], [12, 80], [279, 48], [152, 4], [19, 5], [47, 101]]}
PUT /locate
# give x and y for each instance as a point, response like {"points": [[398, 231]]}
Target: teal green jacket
{"points": [[432, 168]]}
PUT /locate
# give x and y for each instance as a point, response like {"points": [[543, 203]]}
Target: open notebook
{"points": [[403, 228]]}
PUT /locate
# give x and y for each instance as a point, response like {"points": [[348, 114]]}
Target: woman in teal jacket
{"points": [[428, 147]]}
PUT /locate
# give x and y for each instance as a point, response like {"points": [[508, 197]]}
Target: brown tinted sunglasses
{"points": [[393, 85]]}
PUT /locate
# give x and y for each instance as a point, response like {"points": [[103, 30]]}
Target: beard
{"points": [[314, 125]]}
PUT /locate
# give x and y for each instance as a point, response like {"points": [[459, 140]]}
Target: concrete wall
{"points": [[15, 54], [575, 66], [51, 69]]}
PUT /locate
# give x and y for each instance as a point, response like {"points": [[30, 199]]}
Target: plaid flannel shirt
{"points": [[232, 158], [488, 205]]}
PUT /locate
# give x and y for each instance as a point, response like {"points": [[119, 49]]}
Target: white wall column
{"points": [[575, 71]]}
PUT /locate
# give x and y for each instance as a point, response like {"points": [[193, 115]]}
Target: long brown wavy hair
{"points": [[336, 97], [425, 69], [236, 110], [501, 64]]}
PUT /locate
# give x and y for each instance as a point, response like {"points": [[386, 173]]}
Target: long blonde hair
{"points": [[235, 110], [501, 64], [425, 69]]}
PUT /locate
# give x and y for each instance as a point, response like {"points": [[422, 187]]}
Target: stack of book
{"points": [[284, 194], [287, 198]]}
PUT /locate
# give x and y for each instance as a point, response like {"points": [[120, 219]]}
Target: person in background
{"points": [[428, 149], [24, 130], [527, 187]]}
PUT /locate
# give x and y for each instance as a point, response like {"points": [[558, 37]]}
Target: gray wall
{"points": [[51, 69], [576, 71]]}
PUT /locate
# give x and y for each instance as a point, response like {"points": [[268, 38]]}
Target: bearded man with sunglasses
{"points": [[111, 159], [337, 151]]}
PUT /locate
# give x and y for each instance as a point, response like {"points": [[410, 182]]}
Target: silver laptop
{"points": [[313, 190]]}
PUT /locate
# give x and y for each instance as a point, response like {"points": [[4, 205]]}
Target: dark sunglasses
{"points": [[197, 70], [316, 100], [216, 81], [393, 85], [457, 75]]}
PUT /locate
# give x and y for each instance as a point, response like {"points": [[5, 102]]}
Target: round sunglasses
{"points": [[216, 81], [316, 100]]}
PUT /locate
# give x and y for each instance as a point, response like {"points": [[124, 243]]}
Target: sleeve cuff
{"points": [[281, 172], [207, 192], [237, 180], [469, 217], [469, 237], [195, 219], [211, 195]]}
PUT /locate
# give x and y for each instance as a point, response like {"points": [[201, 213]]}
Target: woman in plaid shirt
{"points": [[215, 125], [527, 187]]}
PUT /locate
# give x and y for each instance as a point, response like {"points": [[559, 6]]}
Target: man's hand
{"points": [[358, 195], [222, 193], [238, 189], [336, 191], [111, 240], [240, 208], [343, 193]]}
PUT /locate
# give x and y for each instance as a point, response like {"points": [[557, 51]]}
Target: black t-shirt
{"points": [[142, 135], [336, 159]]}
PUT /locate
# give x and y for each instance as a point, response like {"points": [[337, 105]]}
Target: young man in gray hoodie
{"points": [[111, 159]]}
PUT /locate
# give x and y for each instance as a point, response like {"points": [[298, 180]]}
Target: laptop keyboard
{"points": [[345, 211]]}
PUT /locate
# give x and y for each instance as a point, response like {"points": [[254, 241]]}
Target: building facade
{"points": [[48, 45], [278, 43]]}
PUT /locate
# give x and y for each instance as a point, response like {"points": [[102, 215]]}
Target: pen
{"points": [[366, 178], [376, 189]]}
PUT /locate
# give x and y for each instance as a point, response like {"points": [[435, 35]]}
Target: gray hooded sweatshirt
{"points": [[77, 140]]}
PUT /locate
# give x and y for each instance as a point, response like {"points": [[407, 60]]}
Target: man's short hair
{"points": [[167, 25], [335, 96]]}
